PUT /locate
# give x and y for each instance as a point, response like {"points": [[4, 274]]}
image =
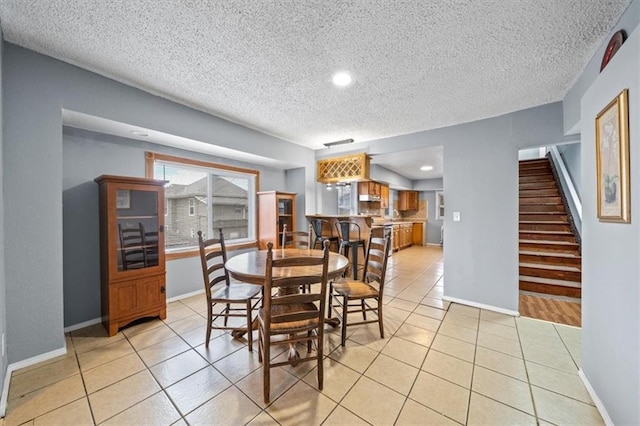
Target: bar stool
{"points": [[318, 225], [345, 229]]}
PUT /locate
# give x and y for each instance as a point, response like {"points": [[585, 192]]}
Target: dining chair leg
{"points": [[320, 359], [330, 300], [344, 318], [226, 317], [364, 312], [309, 342], [209, 319], [354, 261], [260, 345], [249, 326], [380, 323], [266, 367]]}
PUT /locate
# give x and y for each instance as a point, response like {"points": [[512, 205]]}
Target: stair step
{"points": [[541, 171], [546, 192], [556, 272], [547, 225], [549, 246], [527, 164], [544, 208], [543, 258], [548, 286], [536, 178], [550, 281], [541, 200], [543, 216], [537, 185], [547, 236]]}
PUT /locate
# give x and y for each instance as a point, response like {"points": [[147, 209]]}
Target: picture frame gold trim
{"points": [[612, 161]]}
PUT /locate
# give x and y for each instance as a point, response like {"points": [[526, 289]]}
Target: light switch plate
{"points": [[456, 216]]}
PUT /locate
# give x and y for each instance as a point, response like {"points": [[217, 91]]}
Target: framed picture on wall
{"points": [[612, 160]]}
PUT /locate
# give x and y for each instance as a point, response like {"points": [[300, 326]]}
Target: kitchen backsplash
{"points": [[420, 214]]}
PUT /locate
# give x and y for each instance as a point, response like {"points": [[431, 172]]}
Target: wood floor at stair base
{"points": [[557, 290], [553, 310]]}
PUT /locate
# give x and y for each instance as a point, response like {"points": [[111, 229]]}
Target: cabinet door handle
{"points": [[162, 289], [161, 229]]}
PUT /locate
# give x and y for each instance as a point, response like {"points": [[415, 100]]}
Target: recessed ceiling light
{"points": [[139, 133], [341, 79], [426, 168]]}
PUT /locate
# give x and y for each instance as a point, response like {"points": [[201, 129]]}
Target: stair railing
{"points": [[571, 194]]}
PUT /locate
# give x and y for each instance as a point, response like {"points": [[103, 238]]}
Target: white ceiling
{"points": [[416, 64]]}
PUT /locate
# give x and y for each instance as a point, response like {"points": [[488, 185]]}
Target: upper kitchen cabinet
{"points": [[407, 200], [369, 191], [384, 196]]}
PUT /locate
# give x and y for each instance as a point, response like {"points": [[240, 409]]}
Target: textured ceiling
{"points": [[416, 65]]}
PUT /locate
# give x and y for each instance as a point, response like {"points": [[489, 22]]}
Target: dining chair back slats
{"points": [[299, 316], [236, 299]]}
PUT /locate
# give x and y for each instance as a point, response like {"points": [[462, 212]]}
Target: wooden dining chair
{"points": [[151, 248], [299, 317], [238, 299], [351, 296], [132, 247], [296, 239]]}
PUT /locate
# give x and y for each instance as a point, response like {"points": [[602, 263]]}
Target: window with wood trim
{"points": [[202, 196]]}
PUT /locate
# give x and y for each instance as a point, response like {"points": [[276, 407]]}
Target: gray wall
{"points": [[481, 182], [571, 103], [3, 309], [570, 154], [36, 89], [611, 254], [295, 179], [87, 155]]}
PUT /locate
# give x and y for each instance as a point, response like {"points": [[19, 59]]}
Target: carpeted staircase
{"points": [[550, 259]]}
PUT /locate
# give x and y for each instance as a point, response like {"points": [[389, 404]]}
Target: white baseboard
{"points": [[186, 295], [481, 306], [82, 325], [22, 364], [595, 398]]}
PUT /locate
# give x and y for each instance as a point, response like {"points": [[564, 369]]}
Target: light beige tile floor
{"points": [[439, 363]]}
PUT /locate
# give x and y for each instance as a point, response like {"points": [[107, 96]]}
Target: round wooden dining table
{"points": [[250, 267]]}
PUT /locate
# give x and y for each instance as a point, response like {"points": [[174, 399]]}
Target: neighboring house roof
{"points": [[225, 192]]}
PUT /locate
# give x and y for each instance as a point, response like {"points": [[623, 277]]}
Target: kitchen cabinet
{"points": [[384, 196], [408, 200], [132, 258], [402, 235], [370, 188], [275, 209], [418, 233]]}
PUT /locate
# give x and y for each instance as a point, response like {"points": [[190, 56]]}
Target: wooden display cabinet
{"points": [[275, 209], [132, 259]]}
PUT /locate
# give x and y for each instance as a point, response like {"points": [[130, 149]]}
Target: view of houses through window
{"points": [[204, 199]]}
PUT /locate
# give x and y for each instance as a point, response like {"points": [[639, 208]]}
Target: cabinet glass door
{"points": [[137, 229]]}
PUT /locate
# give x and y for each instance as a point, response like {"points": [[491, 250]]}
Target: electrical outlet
{"points": [[456, 216]]}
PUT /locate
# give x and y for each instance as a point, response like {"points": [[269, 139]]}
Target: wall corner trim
{"points": [[22, 364], [481, 306], [596, 400]]}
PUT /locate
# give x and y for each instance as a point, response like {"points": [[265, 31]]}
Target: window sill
{"points": [[194, 251]]}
